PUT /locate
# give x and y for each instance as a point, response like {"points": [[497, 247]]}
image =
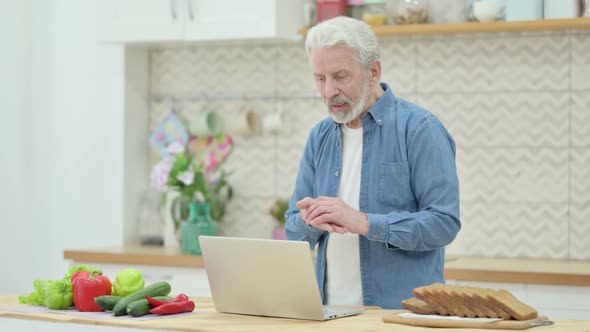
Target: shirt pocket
{"points": [[394, 184]]}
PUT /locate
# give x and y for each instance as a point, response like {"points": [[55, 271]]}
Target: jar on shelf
{"points": [[310, 13], [328, 9], [486, 10], [410, 11], [585, 8], [356, 9], [561, 9], [446, 11], [524, 10], [375, 12]]}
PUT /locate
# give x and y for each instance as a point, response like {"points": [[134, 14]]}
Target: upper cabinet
{"points": [[130, 21]]}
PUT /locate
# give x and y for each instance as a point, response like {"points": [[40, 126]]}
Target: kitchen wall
{"points": [[15, 168], [518, 106], [62, 128]]}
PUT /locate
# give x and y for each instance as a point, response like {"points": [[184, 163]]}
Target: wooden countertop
{"points": [[136, 255], [510, 270], [205, 318], [515, 270]]}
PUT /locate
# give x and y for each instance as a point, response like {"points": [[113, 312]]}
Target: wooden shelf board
{"points": [[479, 27]]}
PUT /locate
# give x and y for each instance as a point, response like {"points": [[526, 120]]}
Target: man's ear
{"points": [[375, 72]]}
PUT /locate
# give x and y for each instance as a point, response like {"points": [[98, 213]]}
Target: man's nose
{"points": [[331, 90]]}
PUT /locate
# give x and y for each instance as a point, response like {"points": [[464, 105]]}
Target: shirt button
{"points": [[337, 173], [379, 122], [376, 236]]}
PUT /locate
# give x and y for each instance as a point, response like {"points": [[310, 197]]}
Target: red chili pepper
{"points": [[174, 308], [156, 303], [86, 289]]}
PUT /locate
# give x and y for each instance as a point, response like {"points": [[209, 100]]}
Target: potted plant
{"points": [[277, 211]]}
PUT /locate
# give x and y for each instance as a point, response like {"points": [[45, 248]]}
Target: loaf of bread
{"points": [[462, 301], [419, 307]]}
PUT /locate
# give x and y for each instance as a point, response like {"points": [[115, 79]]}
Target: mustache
{"points": [[339, 100]]}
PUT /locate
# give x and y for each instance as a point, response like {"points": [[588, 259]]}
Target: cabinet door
{"points": [[239, 19], [141, 20]]}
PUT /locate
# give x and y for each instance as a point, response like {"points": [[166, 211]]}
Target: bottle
{"points": [[310, 15], [356, 8], [150, 223], [199, 223], [554, 9], [585, 8]]}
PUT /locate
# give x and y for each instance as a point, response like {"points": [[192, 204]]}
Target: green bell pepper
{"points": [[59, 295], [128, 281]]}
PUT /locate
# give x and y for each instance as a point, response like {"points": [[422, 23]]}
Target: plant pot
{"points": [[278, 233]]}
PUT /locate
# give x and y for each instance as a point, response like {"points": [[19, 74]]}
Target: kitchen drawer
{"points": [[563, 297]]}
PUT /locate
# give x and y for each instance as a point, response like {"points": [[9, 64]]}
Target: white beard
{"points": [[355, 110]]}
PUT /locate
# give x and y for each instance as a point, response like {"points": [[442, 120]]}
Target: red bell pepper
{"points": [[174, 308], [156, 303], [87, 288], [108, 285]]}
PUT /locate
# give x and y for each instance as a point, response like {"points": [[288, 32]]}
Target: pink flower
{"points": [[175, 148], [160, 174]]}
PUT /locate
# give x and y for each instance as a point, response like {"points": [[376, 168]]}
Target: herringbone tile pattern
{"points": [[518, 106], [580, 115], [580, 62], [514, 175], [504, 119], [512, 230]]}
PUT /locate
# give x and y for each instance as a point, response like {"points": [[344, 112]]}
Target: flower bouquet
{"points": [[183, 179]]}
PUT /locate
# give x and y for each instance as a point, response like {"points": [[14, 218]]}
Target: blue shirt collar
{"points": [[377, 111]]}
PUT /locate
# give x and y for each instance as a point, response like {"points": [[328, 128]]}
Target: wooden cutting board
{"points": [[501, 325]]}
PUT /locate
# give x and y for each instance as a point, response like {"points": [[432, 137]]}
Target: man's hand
{"points": [[304, 211], [333, 215]]}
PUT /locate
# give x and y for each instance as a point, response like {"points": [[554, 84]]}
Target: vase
{"points": [[278, 233], [171, 234], [176, 211], [199, 223]]}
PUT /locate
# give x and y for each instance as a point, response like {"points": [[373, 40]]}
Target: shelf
{"points": [[479, 27]]}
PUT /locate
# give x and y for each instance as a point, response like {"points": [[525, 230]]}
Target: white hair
{"points": [[345, 31]]}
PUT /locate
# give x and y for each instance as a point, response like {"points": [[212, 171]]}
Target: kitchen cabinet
{"points": [[185, 273], [141, 21], [191, 281], [554, 301]]}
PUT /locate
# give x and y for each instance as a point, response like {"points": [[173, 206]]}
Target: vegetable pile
{"points": [[87, 289]]}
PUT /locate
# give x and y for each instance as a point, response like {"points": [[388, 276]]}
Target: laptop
{"points": [[274, 278]]}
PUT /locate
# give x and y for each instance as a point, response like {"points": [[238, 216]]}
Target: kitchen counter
{"points": [[205, 318], [509, 270]]}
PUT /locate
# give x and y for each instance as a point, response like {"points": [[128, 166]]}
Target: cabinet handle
{"points": [[173, 9], [189, 4]]}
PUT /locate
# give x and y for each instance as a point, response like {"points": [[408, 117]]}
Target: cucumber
{"points": [[107, 302], [160, 288], [143, 307]]}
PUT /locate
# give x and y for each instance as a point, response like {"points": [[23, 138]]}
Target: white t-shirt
{"points": [[343, 272]]}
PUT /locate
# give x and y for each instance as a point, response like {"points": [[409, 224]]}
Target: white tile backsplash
{"points": [[517, 104]]}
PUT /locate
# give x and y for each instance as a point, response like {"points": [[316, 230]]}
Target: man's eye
{"points": [[320, 79]]}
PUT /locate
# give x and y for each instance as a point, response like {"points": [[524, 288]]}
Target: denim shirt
{"points": [[409, 191]]}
